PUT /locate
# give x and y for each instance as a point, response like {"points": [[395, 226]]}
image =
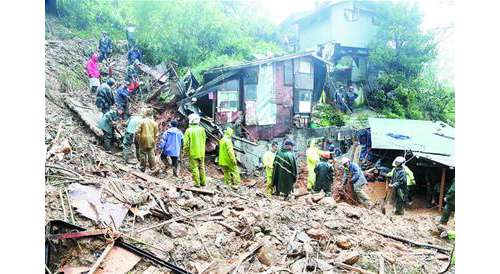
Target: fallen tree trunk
{"points": [[439, 248], [89, 116]]}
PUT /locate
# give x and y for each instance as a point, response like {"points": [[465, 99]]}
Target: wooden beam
{"points": [[441, 189]]}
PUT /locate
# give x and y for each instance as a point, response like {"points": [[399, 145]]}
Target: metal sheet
{"points": [[266, 106], [414, 135], [442, 159]]}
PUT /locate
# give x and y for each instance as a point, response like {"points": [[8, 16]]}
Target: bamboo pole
{"points": [[441, 189]]}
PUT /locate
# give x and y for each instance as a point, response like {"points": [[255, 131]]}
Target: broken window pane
{"points": [[250, 76], [304, 81]]}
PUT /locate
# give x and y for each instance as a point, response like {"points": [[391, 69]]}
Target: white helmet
{"points": [[194, 118], [345, 160], [399, 160]]}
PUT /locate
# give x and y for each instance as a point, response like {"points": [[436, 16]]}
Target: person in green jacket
{"points": [[284, 169], [107, 124], [194, 147], [324, 177], [267, 162], [128, 137], [227, 159], [450, 204], [312, 155]]}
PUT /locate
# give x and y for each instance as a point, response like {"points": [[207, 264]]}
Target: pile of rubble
{"points": [[133, 222]]}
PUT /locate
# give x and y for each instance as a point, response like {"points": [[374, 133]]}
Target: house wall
{"points": [[337, 28]]}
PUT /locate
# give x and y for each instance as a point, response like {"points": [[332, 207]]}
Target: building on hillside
{"points": [[427, 146], [263, 99], [344, 29]]}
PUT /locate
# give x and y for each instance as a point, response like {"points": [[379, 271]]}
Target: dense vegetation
{"points": [[406, 83], [194, 34], [202, 34]]}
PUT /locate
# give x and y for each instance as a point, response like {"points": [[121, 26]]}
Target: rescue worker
{"points": [[105, 46], [122, 100], [398, 182], [267, 162], [194, 147], [133, 55], [128, 138], [324, 177], [358, 180], [450, 204], [92, 68], [130, 33], [170, 146], [410, 179], [107, 124], [430, 184], [285, 169], [312, 155], [334, 151], [227, 159], [146, 133], [105, 98]]}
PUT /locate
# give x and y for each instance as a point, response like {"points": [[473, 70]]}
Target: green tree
{"points": [[401, 52]]}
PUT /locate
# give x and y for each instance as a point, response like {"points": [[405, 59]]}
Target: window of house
{"points": [[303, 101], [228, 100], [304, 66]]}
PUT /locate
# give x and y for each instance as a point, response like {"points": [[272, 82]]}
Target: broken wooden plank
{"points": [[90, 116], [118, 260], [197, 190], [242, 258], [439, 248], [138, 174], [229, 227], [352, 268]]}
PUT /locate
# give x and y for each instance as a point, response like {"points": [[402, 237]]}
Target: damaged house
{"points": [[263, 99]]}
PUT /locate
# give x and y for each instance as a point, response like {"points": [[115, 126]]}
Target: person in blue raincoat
{"points": [[170, 146], [122, 100]]}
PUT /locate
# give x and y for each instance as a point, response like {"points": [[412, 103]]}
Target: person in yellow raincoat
{"points": [[313, 155], [227, 159], [146, 133], [194, 147], [268, 161]]}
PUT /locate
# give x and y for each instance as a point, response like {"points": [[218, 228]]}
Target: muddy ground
{"points": [[214, 230]]}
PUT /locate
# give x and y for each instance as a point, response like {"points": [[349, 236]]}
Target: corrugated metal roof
{"points": [[442, 159], [413, 135], [269, 60]]}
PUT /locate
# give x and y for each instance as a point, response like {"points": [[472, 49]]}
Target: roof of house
{"points": [[431, 140], [269, 60], [366, 6]]}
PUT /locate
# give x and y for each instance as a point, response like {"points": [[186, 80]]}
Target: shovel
{"points": [[388, 192]]}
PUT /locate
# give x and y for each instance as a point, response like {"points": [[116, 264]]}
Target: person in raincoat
{"points": [[170, 146], [93, 72], [313, 155], [398, 182], [105, 98], [146, 133], [450, 204], [410, 180], [107, 124], [324, 177], [194, 147], [105, 46], [267, 161], [128, 137], [227, 159], [358, 180], [122, 100], [285, 169]]}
